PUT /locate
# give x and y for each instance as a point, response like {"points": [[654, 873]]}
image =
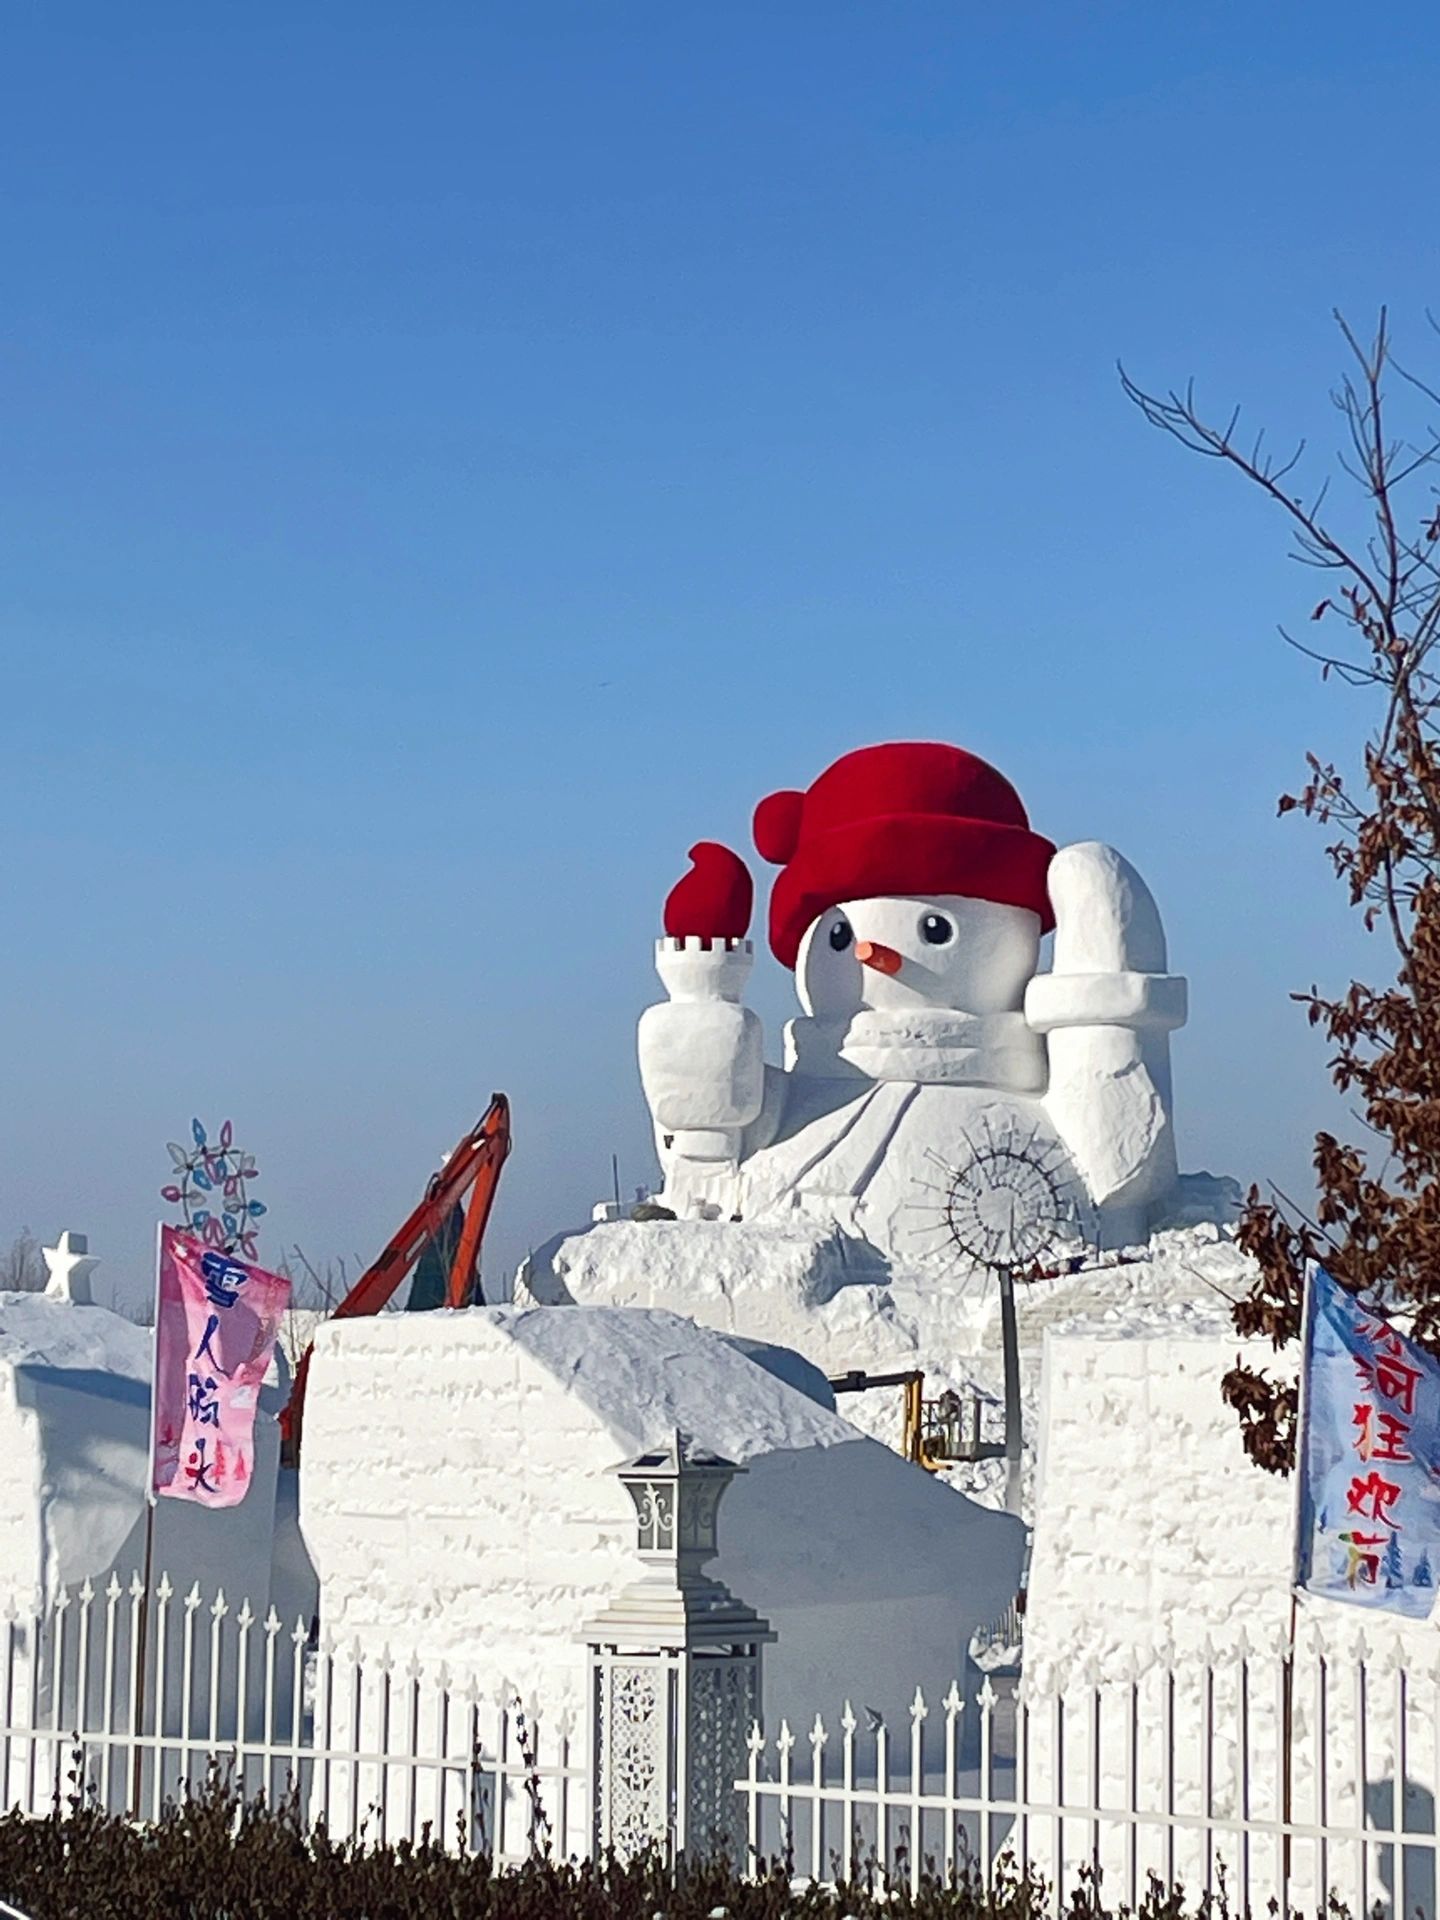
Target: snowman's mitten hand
{"points": [[1109, 967], [702, 1059], [702, 1064]]}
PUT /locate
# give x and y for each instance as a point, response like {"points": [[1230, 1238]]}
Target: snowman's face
{"points": [[943, 951]]}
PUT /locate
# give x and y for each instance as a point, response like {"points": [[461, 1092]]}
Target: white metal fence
{"points": [[1285, 1780], [129, 1704], [1290, 1779]]}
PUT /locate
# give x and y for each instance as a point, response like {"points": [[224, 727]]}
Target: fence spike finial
{"points": [[954, 1702], [847, 1719], [192, 1598], [245, 1619], [818, 1735], [221, 1605], [87, 1591], [785, 1739], [755, 1739], [165, 1592], [112, 1588], [272, 1622], [918, 1709]]}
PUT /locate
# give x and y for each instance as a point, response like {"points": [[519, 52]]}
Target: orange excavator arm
{"points": [[473, 1168]]}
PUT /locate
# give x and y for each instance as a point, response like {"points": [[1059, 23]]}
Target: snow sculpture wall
{"points": [[459, 1501], [1150, 1522], [74, 1449]]}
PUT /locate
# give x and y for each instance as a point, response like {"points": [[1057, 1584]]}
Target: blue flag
{"points": [[1368, 1467]]}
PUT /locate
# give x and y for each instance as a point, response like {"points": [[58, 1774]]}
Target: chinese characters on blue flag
{"points": [[1368, 1509]]}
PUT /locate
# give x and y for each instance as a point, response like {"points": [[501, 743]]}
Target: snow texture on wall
{"points": [[841, 1303], [459, 1501], [1151, 1524], [74, 1449]]}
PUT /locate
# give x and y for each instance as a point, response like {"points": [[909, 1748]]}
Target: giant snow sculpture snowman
{"points": [[911, 904]]}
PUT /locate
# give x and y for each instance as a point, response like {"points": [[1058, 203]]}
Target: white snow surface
{"points": [[74, 1453], [37, 1331], [459, 1499], [836, 1299]]}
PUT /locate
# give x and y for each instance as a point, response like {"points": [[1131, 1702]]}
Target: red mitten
{"points": [[714, 900]]}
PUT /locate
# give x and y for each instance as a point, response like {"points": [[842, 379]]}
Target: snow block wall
{"points": [[459, 1501], [803, 1284], [74, 1450], [1155, 1531], [1151, 1524], [74, 1457], [841, 1302]]}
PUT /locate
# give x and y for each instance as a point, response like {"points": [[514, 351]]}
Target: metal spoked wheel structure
{"points": [[1005, 1205]]}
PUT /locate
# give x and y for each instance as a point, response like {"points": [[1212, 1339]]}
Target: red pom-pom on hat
{"points": [[777, 826], [714, 900]]}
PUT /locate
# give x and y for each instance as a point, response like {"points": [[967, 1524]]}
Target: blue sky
{"points": [[455, 456]]}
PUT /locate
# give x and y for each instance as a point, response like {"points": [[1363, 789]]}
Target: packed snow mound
{"points": [[717, 1260], [642, 1375], [788, 1366], [488, 1524], [39, 1332], [804, 1285], [74, 1463], [846, 1307]]}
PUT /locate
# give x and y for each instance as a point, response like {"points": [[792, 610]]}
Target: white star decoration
{"points": [[71, 1263]]}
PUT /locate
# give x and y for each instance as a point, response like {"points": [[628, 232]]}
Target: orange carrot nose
{"points": [[870, 953]]}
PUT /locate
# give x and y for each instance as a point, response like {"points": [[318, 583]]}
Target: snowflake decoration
{"points": [[211, 1186], [1005, 1203]]}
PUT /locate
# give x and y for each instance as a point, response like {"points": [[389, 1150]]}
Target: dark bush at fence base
{"points": [[214, 1857]]}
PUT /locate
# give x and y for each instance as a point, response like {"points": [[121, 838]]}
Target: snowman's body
{"points": [[927, 1028]]}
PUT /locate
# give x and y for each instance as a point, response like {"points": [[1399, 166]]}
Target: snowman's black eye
{"points": [[936, 930], [840, 935]]}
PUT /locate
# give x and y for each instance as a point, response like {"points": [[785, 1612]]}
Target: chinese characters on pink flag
{"points": [[216, 1319]]}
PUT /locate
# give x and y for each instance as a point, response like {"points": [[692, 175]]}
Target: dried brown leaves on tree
{"points": [[1377, 1219]]}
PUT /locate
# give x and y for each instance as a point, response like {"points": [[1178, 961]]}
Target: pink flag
{"points": [[215, 1324]]}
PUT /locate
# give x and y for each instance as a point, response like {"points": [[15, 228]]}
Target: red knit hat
{"points": [[908, 818]]}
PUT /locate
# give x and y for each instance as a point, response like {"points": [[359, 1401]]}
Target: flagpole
{"points": [[1307, 1315], [1307, 1308], [142, 1630]]}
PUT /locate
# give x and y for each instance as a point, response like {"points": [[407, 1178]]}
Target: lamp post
{"points": [[675, 1668]]}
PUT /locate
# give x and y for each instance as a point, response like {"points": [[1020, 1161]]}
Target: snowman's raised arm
{"points": [[1110, 966], [702, 1057], [1107, 1009]]}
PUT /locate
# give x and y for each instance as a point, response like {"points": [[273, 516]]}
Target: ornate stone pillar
{"points": [[675, 1669]]}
